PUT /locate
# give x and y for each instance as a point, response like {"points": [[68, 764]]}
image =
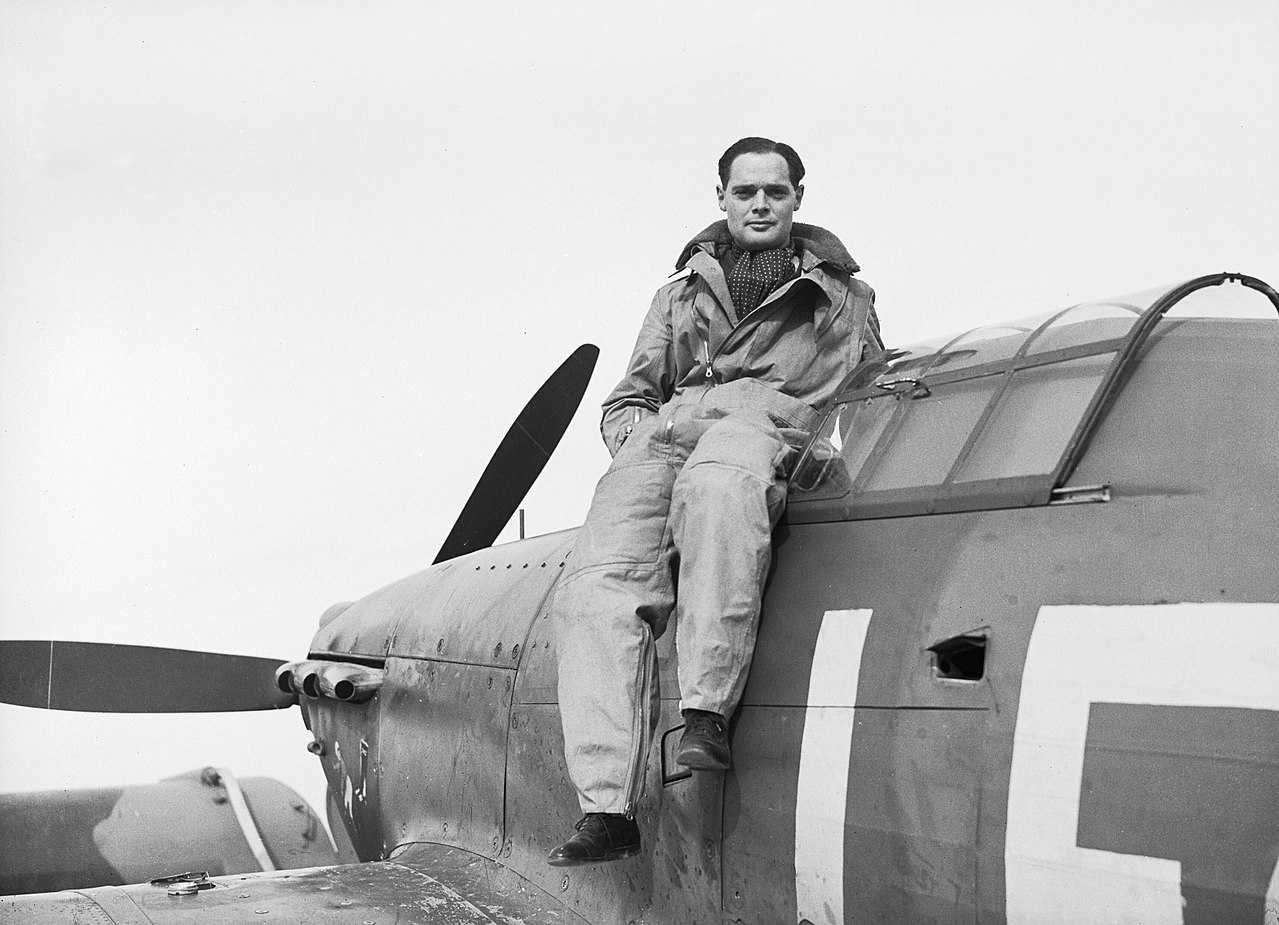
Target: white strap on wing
{"points": [[242, 815]]}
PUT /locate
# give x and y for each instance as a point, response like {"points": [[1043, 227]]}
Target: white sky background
{"points": [[275, 277]]}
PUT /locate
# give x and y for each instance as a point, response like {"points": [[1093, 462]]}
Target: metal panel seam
{"points": [[114, 903]]}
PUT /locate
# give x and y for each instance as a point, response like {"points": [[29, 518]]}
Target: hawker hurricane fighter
{"points": [[1018, 662]]}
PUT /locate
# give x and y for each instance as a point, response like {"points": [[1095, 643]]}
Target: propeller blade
{"points": [[521, 456], [100, 677]]}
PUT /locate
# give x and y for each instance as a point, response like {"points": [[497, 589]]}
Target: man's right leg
{"points": [[614, 600]]}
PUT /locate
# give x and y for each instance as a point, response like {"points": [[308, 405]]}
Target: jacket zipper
{"points": [[741, 323], [706, 354]]}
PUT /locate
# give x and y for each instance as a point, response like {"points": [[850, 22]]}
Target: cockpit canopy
{"points": [[995, 417]]}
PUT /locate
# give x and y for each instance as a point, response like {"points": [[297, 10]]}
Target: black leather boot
{"points": [[600, 837], [704, 745]]}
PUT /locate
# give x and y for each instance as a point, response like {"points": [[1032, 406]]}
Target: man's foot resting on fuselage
{"points": [[704, 745], [600, 837]]}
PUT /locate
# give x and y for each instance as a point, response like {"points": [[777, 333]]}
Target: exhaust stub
{"points": [[349, 683], [305, 678]]}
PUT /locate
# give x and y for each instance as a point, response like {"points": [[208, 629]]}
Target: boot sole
{"points": [[700, 761], [617, 854]]}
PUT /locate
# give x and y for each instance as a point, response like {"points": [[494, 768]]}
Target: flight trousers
{"points": [[681, 522]]}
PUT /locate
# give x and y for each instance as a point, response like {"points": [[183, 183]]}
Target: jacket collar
{"points": [[816, 245]]}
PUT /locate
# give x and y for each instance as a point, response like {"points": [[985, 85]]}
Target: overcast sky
{"points": [[276, 276]]}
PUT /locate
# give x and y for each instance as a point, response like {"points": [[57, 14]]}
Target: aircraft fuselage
{"points": [[1096, 736]]}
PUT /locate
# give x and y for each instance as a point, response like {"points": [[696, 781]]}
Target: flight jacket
{"points": [[787, 357]]}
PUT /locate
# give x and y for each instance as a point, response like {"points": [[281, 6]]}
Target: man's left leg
{"points": [[724, 506]]}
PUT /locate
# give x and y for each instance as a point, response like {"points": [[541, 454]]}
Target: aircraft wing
{"points": [[421, 885]]}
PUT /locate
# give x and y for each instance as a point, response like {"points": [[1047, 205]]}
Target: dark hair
{"points": [[754, 145]]}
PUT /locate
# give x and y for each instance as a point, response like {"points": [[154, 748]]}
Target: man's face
{"points": [[759, 201]]}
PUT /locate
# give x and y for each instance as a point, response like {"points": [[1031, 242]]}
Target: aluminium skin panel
{"points": [[474, 609], [677, 878]]}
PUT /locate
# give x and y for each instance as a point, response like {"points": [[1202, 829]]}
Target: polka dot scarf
{"points": [[757, 273]]}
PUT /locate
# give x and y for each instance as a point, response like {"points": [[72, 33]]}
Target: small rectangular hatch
{"points": [[960, 658]]}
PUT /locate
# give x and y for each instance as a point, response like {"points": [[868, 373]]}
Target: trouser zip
{"points": [[639, 739]]}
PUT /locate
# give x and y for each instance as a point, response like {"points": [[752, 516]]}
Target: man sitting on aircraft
{"points": [[762, 322]]}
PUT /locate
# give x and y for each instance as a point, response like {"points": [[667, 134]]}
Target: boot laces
{"points": [[702, 722]]}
